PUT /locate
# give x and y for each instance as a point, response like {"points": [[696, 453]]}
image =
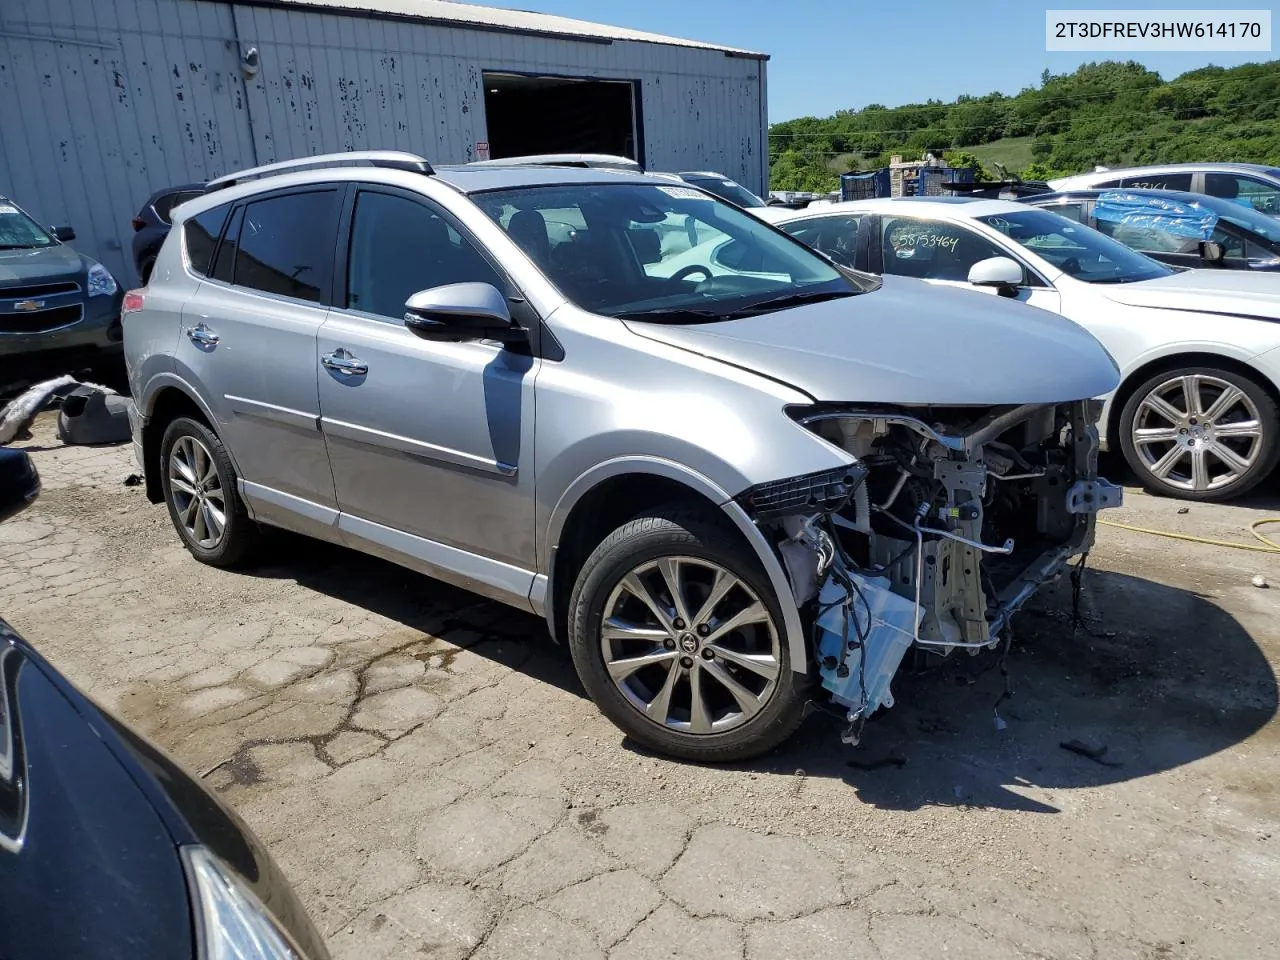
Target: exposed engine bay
{"points": [[946, 522]]}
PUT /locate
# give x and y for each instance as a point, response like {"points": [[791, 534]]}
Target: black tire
{"points": [[1267, 452], [678, 531], [240, 536]]}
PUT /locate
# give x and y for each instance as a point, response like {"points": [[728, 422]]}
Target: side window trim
{"points": [[234, 220]]}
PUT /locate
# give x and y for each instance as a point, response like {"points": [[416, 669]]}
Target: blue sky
{"points": [[829, 55]]}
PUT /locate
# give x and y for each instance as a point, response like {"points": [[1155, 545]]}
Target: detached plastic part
{"points": [[90, 416], [858, 675]]}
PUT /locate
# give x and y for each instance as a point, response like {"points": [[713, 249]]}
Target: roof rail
{"points": [[602, 161], [392, 159]]}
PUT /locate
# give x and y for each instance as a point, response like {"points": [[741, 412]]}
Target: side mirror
{"points": [[63, 234], [461, 311], [996, 272], [1212, 252], [19, 482]]}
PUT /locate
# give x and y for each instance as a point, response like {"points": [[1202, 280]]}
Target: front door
{"points": [[249, 338], [943, 252], [431, 444]]}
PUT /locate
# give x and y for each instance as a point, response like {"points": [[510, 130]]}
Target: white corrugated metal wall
{"points": [[104, 101]]}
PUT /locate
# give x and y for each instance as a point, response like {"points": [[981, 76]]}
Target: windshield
{"points": [[662, 253], [728, 190], [1078, 251], [20, 232]]}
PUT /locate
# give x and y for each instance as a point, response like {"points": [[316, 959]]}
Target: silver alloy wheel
{"points": [[1197, 432], [690, 645], [197, 492]]}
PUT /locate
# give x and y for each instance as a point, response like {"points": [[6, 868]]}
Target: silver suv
{"points": [[733, 476]]}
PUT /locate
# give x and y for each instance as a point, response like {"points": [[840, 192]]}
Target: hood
{"points": [[910, 343], [1234, 292], [56, 262]]}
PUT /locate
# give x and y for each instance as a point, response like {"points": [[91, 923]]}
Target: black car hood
{"points": [[56, 262], [87, 867]]}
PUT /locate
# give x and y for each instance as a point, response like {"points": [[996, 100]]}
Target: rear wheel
{"points": [[199, 484], [1200, 433], [677, 636]]}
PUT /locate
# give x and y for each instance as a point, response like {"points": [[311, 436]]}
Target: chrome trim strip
{"points": [[270, 411], [491, 578], [414, 448], [259, 496]]}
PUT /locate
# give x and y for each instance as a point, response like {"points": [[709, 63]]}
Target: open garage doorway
{"points": [[528, 114]]}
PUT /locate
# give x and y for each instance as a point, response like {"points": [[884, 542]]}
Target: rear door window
{"points": [[286, 245], [1158, 181]]}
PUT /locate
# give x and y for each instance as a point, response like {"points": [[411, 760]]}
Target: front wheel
{"points": [[1200, 433], [676, 635]]}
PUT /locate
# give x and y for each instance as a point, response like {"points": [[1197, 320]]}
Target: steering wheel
{"points": [[684, 273]]}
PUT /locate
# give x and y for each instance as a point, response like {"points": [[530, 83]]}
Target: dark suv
{"points": [[59, 310], [151, 225]]}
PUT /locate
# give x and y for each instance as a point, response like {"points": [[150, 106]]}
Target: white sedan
{"points": [[1197, 412]]}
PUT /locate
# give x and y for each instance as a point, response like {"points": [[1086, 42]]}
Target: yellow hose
{"points": [[1271, 545]]}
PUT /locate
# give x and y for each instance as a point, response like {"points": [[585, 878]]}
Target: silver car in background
{"points": [[730, 474]]}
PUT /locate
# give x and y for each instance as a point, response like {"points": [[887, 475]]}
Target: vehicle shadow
{"points": [[516, 639], [1153, 678]]}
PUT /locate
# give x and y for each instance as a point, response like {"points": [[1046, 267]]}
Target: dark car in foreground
{"points": [[1175, 227], [59, 310], [107, 848], [151, 225]]}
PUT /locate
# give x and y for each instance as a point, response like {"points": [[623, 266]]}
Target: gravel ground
{"points": [[427, 771]]}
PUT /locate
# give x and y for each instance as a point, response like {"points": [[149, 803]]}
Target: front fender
{"points": [[793, 629]]}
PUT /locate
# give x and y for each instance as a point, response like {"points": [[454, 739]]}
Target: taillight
{"points": [[138, 223], [133, 301]]}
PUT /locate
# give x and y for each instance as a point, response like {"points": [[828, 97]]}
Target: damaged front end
{"points": [[943, 525]]}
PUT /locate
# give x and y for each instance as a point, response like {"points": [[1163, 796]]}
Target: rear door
{"points": [[431, 443], [249, 337]]}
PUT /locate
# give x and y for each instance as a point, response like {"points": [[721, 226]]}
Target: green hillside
{"points": [[1104, 113]]}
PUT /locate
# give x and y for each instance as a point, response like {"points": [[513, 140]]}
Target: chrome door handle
{"points": [[341, 361], [202, 335]]}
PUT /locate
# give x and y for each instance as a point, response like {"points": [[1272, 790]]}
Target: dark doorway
{"points": [[528, 115]]}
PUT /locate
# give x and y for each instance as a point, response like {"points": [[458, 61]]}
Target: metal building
{"points": [[103, 102]]}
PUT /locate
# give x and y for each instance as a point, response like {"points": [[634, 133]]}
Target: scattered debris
{"points": [[132, 480], [1260, 581], [1095, 753], [1184, 510]]}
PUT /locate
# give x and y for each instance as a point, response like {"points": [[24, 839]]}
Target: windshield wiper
{"points": [[673, 315], [792, 300], [17, 246]]}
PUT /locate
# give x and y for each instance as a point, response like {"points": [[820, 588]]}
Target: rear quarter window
{"points": [[201, 234]]}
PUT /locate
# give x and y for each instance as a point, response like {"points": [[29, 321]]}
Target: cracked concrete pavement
{"points": [[426, 770]]}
